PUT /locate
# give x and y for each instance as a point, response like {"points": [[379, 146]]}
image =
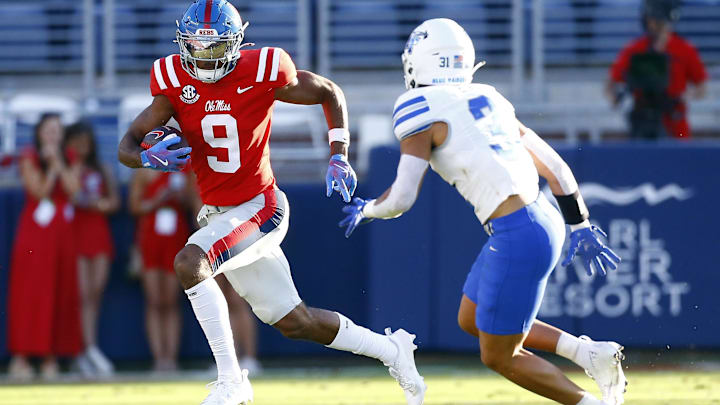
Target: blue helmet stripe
{"points": [[409, 102], [410, 115]]}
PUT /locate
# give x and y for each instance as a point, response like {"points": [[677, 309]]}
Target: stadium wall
{"points": [[656, 201]]}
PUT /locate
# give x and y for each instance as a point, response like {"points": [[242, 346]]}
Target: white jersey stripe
{"points": [[261, 64], [275, 65], [170, 67], [158, 75]]}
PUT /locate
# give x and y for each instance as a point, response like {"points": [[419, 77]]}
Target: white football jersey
{"points": [[483, 156]]}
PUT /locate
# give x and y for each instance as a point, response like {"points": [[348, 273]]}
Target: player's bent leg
{"points": [[208, 302], [602, 361], [504, 354], [543, 337], [334, 330], [268, 287], [192, 266], [466, 316], [312, 324]]}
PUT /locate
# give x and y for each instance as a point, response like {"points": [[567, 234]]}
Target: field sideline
{"points": [[646, 388]]}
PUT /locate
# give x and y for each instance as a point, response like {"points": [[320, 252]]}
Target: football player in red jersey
{"points": [[223, 99]]}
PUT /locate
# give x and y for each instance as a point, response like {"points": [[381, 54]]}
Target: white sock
{"points": [[589, 399], [211, 311], [363, 341], [572, 348]]}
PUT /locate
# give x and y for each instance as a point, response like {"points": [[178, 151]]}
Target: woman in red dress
{"points": [[98, 197], [43, 301], [161, 201]]}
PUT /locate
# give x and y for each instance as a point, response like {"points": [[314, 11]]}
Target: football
{"points": [[164, 132]]}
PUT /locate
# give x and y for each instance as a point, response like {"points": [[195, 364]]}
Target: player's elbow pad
{"points": [[551, 160]]}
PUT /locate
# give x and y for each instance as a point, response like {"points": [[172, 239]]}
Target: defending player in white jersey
{"points": [[469, 135]]}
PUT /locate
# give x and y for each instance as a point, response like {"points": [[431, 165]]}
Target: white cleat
{"points": [[230, 392], [606, 369], [403, 368]]}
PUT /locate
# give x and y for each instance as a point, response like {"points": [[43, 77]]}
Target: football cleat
{"points": [[230, 392], [605, 359], [403, 368]]}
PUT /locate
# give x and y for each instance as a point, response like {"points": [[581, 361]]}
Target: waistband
{"points": [[517, 219], [220, 209]]}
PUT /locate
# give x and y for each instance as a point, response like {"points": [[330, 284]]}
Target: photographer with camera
{"points": [[655, 70]]}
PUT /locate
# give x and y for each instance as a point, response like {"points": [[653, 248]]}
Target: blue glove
{"points": [[586, 244], [159, 157], [340, 177], [355, 216]]}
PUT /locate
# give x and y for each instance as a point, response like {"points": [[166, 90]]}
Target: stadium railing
{"points": [[41, 36], [371, 34], [145, 31]]}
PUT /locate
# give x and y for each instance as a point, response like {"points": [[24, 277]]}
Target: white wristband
{"points": [[339, 135]]}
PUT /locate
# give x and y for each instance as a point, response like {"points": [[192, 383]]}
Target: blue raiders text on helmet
{"points": [[439, 52], [210, 36]]}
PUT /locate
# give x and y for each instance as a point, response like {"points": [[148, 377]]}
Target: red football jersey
{"points": [[227, 123]]}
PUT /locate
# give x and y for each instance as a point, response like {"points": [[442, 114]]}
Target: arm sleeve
{"points": [[696, 69], [547, 155], [282, 69], [403, 191]]}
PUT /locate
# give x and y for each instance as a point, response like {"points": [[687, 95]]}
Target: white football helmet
{"points": [[439, 52]]}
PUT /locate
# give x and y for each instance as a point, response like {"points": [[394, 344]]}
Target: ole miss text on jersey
{"points": [[227, 123]]}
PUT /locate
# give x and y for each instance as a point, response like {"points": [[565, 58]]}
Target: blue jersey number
{"points": [[479, 107], [444, 61]]}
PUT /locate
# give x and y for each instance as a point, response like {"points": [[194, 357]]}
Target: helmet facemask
{"points": [[207, 56], [408, 71]]}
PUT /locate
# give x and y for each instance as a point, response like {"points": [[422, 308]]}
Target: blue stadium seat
{"points": [[366, 34]]}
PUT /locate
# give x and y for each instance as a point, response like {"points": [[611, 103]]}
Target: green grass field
{"points": [[646, 388]]}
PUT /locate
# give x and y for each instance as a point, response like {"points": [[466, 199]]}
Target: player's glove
{"points": [[159, 157], [355, 216], [340, 177], [586, 244]]}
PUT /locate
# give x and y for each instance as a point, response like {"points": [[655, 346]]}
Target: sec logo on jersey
{"points": [[189, 94]]}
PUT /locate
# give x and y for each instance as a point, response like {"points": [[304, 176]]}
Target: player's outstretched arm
{"points": [[400, 197], [584, 239], [309, 88], [156, 114]]}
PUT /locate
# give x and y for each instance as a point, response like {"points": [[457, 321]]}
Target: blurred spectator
{"points": [[43, 300], [244, 328], [655, 69], [160, 200], [97, 198]]}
